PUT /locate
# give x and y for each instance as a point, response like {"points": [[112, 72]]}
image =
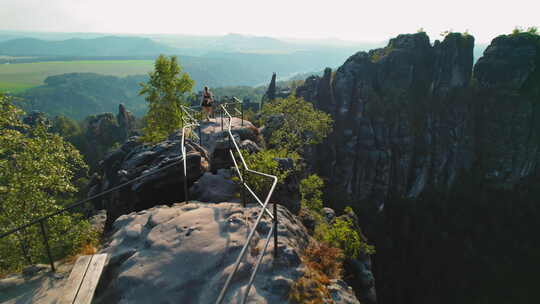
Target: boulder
{"points": [[214, 188]]}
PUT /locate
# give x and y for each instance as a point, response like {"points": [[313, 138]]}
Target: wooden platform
{"points": [[83, 279]]}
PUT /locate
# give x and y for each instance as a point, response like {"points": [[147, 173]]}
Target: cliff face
{"points": [[441, 159], [408, 118]]}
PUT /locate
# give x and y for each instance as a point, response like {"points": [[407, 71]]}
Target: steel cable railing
{"points": [[188, 124], [188, 121], [43, 220], [272, 231]]}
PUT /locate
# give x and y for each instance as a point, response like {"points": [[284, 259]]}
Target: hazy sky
{"points": [[351, 20]]}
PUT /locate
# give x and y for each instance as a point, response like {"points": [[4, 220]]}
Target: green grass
{"points": [[21, 76], [14, 88]]}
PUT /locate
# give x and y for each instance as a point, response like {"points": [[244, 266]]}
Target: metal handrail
{"points": [[43, 219], [264, 205]]}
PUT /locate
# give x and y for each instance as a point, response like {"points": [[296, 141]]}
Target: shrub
{"points": [[341, 234], [265, 161], [311, 191]]}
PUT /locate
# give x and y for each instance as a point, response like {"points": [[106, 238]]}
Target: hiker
{"points": [[207, 101]]}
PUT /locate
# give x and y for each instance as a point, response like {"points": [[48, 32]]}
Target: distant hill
{"points": [[78, 95], [103, 46]]}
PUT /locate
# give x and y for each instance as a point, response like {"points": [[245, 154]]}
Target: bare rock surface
{"points": [[36, 285], [215, 138], [214, 188], [184, 253]]}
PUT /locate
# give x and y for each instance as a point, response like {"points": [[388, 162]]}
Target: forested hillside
{"points": [[78, 95]]}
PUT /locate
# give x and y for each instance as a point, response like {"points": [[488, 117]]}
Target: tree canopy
{"points": [[165, 91], [36, 169], [296, 123]]}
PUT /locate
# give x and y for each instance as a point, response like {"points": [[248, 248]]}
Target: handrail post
{"points": [[46, 243], [200, 136], [186, 196], [275, 231], [243, 172], [242, 110]]}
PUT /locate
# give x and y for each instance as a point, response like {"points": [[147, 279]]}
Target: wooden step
{"points": [[83, 280]]}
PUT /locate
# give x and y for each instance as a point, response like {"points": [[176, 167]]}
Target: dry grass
{"points": [[323, 263], [86, 249], [255, 251]]}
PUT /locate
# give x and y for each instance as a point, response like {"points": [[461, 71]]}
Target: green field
{"points": [[18, 77]]}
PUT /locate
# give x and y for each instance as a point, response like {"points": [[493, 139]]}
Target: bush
{"points": [[341, 234], [311, 191], [265, 161]]}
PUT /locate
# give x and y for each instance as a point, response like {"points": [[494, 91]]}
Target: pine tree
{"points": [[165, 91]]}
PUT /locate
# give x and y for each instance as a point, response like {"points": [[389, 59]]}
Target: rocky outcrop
{"points": [[216, 140], [126, 122], [506, 109], [106, 129], [134, 160], [422, 147], [270, 92], [390, 138], [408, 118], [184, 253]]}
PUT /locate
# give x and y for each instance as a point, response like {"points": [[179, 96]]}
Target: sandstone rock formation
{"points": [[408, 119], [215, 139], [438, 160], [391, 134], [106, 129], [126, 122], [270, 92], [134, 160], [183, 254]]}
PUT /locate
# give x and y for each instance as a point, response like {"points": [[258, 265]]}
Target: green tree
{"points": [[300, 123], [36, 172], [165, 91]]}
